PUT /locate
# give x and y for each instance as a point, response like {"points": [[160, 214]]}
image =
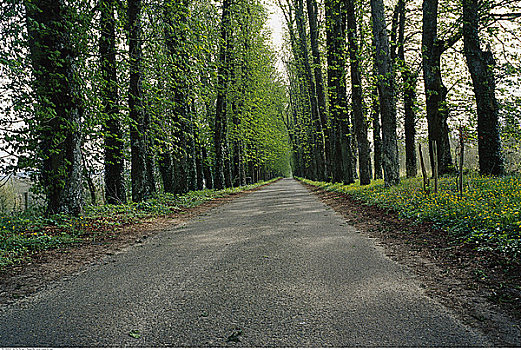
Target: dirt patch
{"points": [[49, 265], [483, 293]]}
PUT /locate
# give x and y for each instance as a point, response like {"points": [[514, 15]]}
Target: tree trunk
{"points": [[175, 16], [136, 105], [113, 134], [386, 94], [435, 91], [207, 170], [150, 157], [409, 80], [199, 159], [409, 91], [167, 171], [359, 121], [319, 80], [222, 87], [192, 151], [377, 134], [318, 134], [341, 161], [59, 112], [481, 66]]}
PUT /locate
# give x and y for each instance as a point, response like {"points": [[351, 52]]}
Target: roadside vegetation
{"points": [[487, 214], [31, 231]]}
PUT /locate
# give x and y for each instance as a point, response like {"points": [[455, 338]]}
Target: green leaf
{"points": [[136, 334]]}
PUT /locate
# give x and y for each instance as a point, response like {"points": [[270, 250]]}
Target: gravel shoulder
{"points": [[274, 268]]}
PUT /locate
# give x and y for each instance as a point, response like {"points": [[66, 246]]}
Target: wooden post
{"points": [[461, 158], [26, 201], [424, 172], [435, 170]]}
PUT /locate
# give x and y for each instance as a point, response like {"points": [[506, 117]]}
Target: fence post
{"points": [[26, 200]]}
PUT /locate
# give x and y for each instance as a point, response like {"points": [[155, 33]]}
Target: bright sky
{"points": [[276, 24]]}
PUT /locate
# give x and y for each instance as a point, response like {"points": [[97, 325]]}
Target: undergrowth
{"points": [[32, 231], [487, 215]]}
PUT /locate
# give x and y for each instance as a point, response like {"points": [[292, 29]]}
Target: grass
{"points": [[487, 215], [30, 232]]}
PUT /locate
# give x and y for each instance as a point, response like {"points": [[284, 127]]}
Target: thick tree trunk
{"points": [[436, 92], [207, 170], [386, 94], [409, 91], [113, 134], [136, 105], [377, 133], [481, 66], [359, 120], [167, 171], [59, 110], [341, 159]]}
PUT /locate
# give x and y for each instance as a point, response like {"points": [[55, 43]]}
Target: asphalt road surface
{"points": [[275, 268]]}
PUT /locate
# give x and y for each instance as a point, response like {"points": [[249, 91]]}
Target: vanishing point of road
{"points": [[274, 268]]}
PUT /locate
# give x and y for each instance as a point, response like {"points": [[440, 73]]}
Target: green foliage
{"points": [[487, 215], [26, 233]]}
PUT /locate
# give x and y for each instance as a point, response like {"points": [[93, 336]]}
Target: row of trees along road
{"points": [[156, 95], [385, 49], [177, 95]]}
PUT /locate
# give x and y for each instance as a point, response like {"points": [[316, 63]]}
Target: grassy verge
{"points": [[29, 232], [488, 215]]}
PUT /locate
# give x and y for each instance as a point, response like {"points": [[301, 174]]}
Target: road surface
{"points": [[275, 268]]}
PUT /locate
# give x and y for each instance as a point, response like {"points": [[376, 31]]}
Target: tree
{"points": [[59, 108], [341, 158], [175, 18], [138, 144], [319, 80], [359, 119], [435, 91], [386, 94], [222, 88], [113, 135], [409, 81], [318, 133], [481, 66]]}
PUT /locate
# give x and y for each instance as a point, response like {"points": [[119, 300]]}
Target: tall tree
{"points": [[59, 112], [318, 133], [319, 79], [435, 91], [386, 94], [341, 157], [113, 133], [222, 88], [138, 146], [481, 66], [176, 14], [359, 120], [377, 133], [409, 81]]}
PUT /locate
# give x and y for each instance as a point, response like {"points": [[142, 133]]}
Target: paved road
{"points": [[275, 268]]}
